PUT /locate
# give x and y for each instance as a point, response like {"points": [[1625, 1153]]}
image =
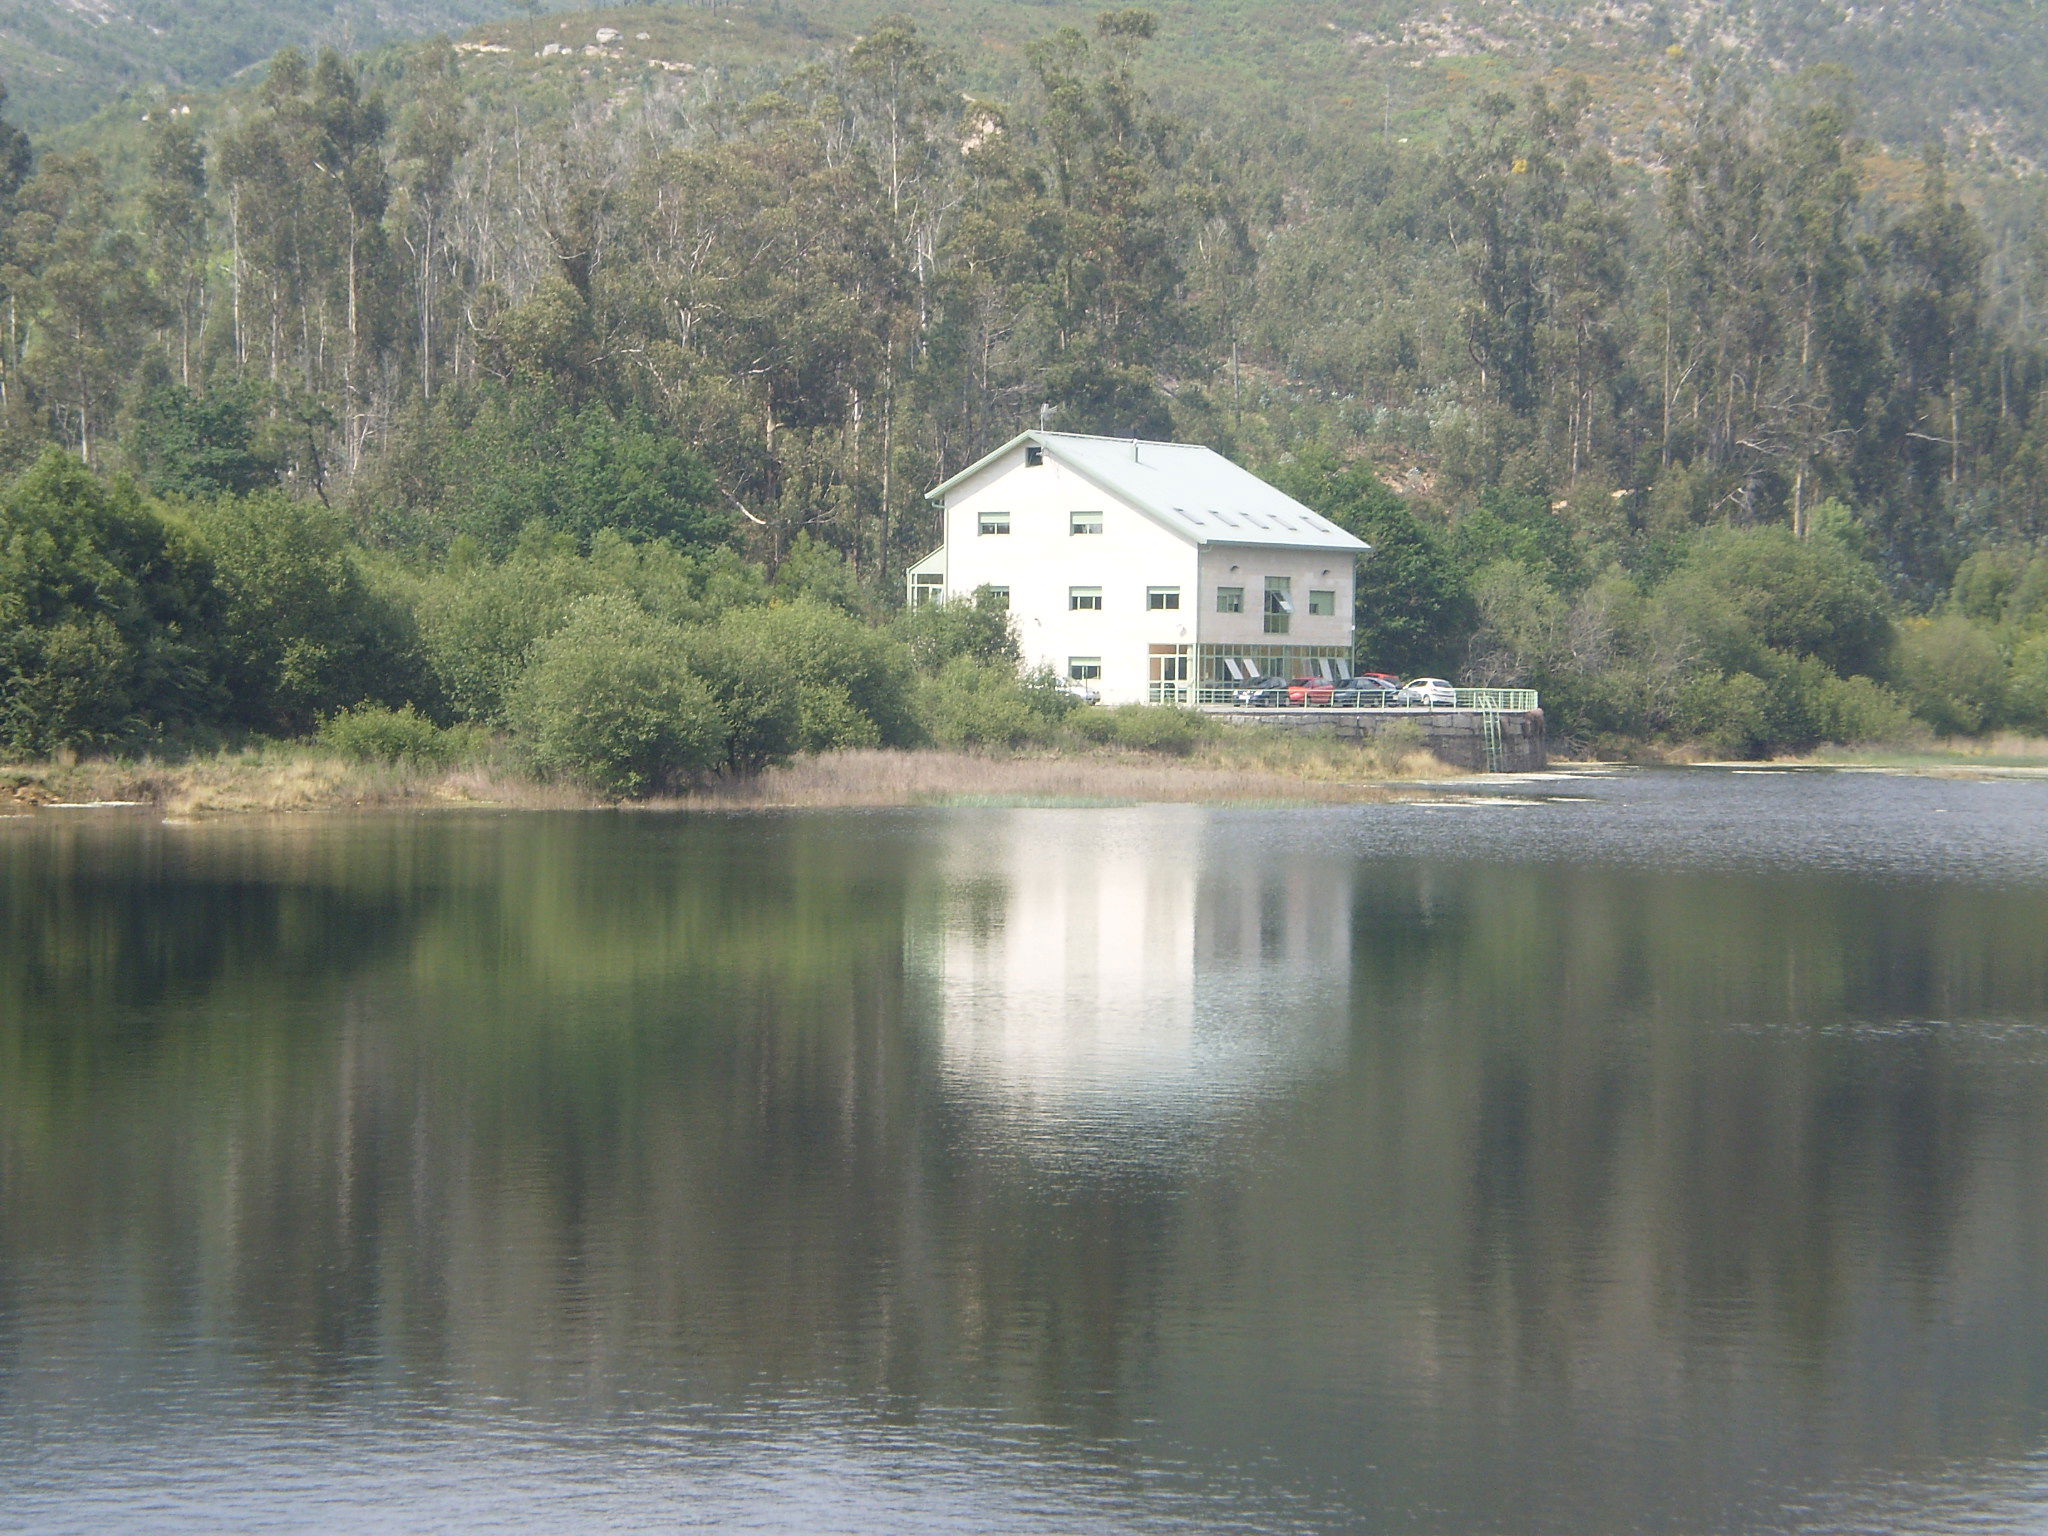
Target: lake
{"points": [[1644, 1151]]}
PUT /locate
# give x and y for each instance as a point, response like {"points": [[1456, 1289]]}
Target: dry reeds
{"points": [[876, 777], [296, 779]]}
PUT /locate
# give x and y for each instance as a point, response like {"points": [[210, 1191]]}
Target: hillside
{"points": [[1972, 71], [62, 59]]}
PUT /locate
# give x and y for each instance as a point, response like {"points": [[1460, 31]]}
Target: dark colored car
{"points": [[1262, 692], [1369, 690]]}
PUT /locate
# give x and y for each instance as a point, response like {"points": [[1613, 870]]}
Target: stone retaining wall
{"points": [[1455, 735]]}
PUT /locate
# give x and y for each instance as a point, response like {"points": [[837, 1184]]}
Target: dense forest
{"points": [[1738, 436]]}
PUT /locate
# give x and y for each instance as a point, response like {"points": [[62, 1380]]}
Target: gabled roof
{"points": [[1192, 490]]}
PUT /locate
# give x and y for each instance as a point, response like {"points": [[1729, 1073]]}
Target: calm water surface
{"points": [[1645, 1152]]}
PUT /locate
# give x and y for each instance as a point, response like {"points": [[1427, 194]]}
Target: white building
{"points": [[1149, 571]]}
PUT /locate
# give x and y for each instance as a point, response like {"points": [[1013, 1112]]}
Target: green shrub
{"points": [[607, 700], [979, 628], [371, 733], [1745, 591], [1952, 675], [1728, 714], [303, 634], [1144, 727], [2027, 685], [107, 615], [853, 681], [978, 704]]}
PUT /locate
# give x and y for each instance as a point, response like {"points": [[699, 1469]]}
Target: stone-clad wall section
{"points": [[1458, 736]]}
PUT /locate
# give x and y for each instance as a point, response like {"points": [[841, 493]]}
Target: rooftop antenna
{"points": [[1045, 416]]}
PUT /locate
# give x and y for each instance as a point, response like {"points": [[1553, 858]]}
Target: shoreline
{"points": [[304, 780]]}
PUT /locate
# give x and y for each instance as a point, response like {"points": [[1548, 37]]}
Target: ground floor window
{"points": [[998, 597], [926, 587], [1084, 669]]}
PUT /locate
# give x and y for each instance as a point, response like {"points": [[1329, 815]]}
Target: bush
{"points": [[106, 615], [371, 733], [971, 703], [1744, 591], [607, 701], [979, 627], [1952, 675], [1144, 728], [853, 682], [2026, 699], [303, 633]]}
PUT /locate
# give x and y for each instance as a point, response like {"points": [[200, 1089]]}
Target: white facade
{"points": [[1144, 569]]}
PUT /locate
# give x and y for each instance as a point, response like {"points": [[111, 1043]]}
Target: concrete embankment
{"points": [[1459, 736]]}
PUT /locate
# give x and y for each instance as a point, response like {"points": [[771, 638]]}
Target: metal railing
{"points": [[1485, 700]]}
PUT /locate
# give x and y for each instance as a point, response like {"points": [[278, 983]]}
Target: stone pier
{"points": [[1458, 736]]}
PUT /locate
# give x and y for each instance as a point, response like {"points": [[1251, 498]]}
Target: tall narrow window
{"points": [[1157, 598], [1322, 605], [1084, 522], [995, 522], [1084, 599], [1279, 604], [1230, 599]]}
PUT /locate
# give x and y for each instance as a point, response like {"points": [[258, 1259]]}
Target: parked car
{"points": [[1432, 692], [1262, 692], [1368, 690], [1080, 692], [1310, 690]]}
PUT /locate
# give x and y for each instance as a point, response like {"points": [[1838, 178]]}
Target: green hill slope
{"points": [[62, 60]]}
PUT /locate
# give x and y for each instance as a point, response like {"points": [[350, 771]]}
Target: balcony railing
{"points": [[1485, 700]]}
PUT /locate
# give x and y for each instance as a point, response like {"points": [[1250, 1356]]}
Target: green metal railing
{"points": [[1491, 701]]}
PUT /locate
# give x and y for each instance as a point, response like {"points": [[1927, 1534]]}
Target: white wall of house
{"points": [[1306, 570], [1042, 561]]}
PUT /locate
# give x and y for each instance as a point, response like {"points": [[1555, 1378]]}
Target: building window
{"points": [[1230, 599], [1279, 604], [1084, 669], [926, 587], [1322, 605], [1089, 598], [1162, 597], [995, 597], [1033, 455], [1084, 522], [995, 522]]}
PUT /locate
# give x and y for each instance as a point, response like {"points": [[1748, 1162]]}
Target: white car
{"points": [[1078, 691], [1431, 692]]}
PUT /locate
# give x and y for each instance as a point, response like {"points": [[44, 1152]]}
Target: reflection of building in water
{"points": [[1090, 958]]}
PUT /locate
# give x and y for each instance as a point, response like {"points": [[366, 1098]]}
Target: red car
{"points": [[1310, 690]]}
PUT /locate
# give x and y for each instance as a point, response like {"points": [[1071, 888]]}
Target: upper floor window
{"points": [[1230, 599], [1279, 604], [1033, 455], [995, 522], [998, 597], [1084, 522], [1162, 597], [1088, 598], [1084, 669], [1322, 605]]}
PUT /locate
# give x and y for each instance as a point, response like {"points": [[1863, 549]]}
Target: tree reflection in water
{"points": [[1316, 1149]]}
